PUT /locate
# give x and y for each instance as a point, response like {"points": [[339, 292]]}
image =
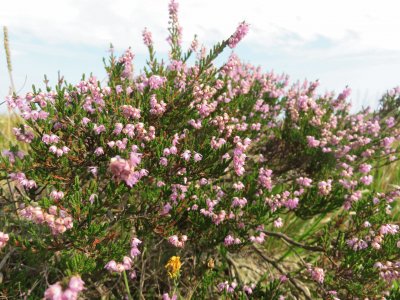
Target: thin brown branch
{"points": [[283, 272], [293, 242]]}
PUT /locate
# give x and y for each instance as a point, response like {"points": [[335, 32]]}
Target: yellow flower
{"points": [[173, 266]]}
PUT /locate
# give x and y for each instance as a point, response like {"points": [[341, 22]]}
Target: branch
{"points": [[282, 271], [293, 242]]}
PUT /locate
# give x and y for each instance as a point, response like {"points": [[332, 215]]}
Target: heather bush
{"points": [[187, 181]]}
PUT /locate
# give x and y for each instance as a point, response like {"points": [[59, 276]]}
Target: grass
{"points": [[7, 122]]}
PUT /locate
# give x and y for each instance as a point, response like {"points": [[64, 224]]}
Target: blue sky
{"points": [[341, 43]]}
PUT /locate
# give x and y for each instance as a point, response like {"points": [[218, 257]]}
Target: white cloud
{"points": [[356, 25], [341, 42]]}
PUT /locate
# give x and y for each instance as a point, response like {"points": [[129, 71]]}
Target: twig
{"points": [[293, 242], [142, 275], [282, 271], [233, 263], [5, 258]]}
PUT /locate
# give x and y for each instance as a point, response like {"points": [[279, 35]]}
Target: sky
{"points": [[341, 43]]}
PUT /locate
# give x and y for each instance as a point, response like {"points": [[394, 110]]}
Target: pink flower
{"points": [[264, 178], [125, 169], [76, 284], [312, 142], [166, 209], [283, 278], [197, 157], [134, 247], [238, 186], [118, 128], [176, 241], [325, 187], [365, 168], [53, 210], [68, 294], [186, 155], [54, 292], [130, 112], [3, 239], [239, 34], [229, 240], [389, 229], [387, 142], [126, 60], [57, 195], [99, 129], [93, 170], [163, 161], [99, 151], [85, 121], [147, 38], [278, 223], [367, 180], [167, 297], [111, 265], [317, 274], [156, 81], [157, 108], [92, 198], [390, 122], [53, 149], [304, 181], [127, 262]]}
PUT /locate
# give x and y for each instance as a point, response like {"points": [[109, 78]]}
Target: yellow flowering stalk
{"points": [[173, 266]]}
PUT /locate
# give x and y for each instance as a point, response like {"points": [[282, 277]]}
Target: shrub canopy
{"points": [[197, 181]]}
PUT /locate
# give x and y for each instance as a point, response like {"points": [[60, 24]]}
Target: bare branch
{"points": [[282, 271], [293, 242]]}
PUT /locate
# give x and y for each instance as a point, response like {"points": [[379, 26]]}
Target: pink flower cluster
{"points": [[113, 266], [56, 292], [120, 144], [239, 156], [124, 170], [57, 219], [230, 240], [178, 242], [317, 274], [264, 178], [57, 195], [25, 107], [304, 181], [50, 139], [389, 271], [147, 38], [135, 247], [126, 60], [356, 244], [13, 155], [135, 130], [128, 111], [325, 187], [258, 239], [239, 34], [24, 135], [22, 180], [155, 82], [127, 262], [227, 287], [285, 199], [157, 108], [59, 151]]}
